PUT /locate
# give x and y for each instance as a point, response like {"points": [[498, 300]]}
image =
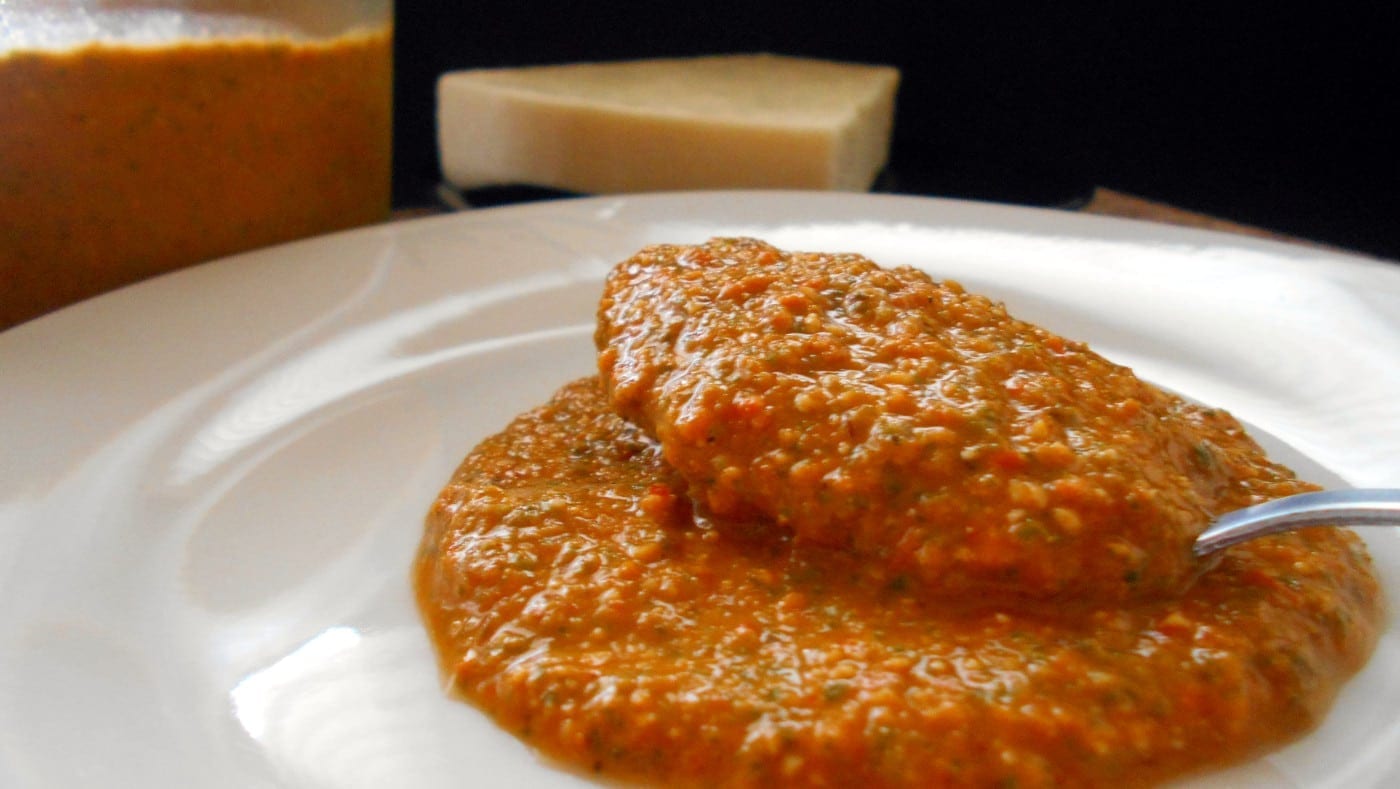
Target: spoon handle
{"points": [[1352, 507]]}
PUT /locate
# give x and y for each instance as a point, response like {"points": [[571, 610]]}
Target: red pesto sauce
{"points": [[578, 594], [119, 162], [915, 423]]}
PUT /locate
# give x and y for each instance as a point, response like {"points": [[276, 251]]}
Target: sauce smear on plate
{"points": [[585, 591]]}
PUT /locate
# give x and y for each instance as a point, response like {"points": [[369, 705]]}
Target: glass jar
{"points": [[142, 136]]}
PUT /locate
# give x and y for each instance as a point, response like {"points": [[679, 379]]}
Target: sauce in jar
{"points": [[121, 160]]}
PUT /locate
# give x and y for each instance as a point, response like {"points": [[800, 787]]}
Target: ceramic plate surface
{"points": [[212, 484]]}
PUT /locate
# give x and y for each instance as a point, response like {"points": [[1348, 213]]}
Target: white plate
{"points": [[212, 484]]}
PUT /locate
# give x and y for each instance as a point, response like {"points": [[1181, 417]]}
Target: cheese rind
{"points": [[729, 121]]}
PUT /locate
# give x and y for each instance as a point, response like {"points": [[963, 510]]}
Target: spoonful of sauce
{"points": [[1354, 507]]}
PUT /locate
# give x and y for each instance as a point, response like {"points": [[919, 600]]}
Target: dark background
{"points": [[1277, 115]]}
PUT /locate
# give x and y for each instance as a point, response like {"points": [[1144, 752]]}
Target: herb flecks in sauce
{"points": [[576, 594], [122, 161], [914, 423]]}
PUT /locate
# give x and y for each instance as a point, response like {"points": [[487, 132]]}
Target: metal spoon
{"points": [[1355, 507]]}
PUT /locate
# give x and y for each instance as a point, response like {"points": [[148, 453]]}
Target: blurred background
{"points": [[1276, 115]]}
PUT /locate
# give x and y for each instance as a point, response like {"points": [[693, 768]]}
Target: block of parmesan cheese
{"points": [[725, 121]]}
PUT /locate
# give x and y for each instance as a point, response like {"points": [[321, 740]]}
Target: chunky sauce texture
{"points": [[910, 421], [118, 162], [578, 594]]}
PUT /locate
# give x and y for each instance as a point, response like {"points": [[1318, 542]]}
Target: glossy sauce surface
{"points": [[118, 162], [572, 596], [916, 424]]}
